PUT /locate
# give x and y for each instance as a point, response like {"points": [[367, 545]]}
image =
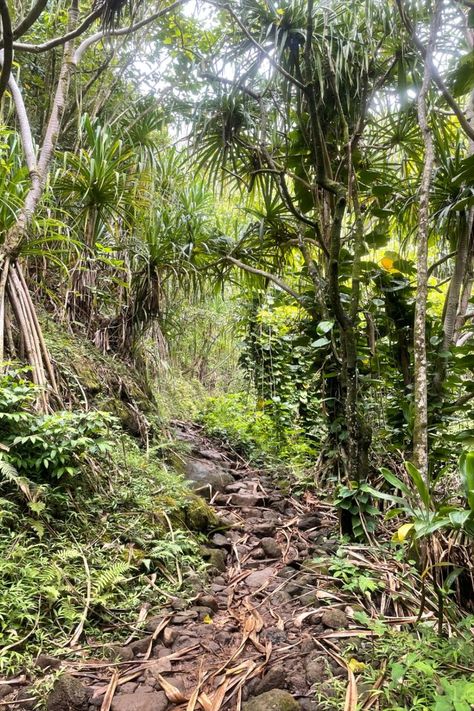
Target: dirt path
{"points": [[257, 625], [259, 632]]}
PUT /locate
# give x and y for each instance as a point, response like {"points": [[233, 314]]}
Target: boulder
{"points": [[140, 700], [215, 557], [334, 619], [68, 694], [274, 700], [206, 477]]}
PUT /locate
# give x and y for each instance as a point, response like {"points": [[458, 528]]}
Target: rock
{"points": [[275, 678], [203, 612], [211, 454], [293, 589], [170, 635], [270, 548], [5, 690], [307, 645], [309, 704], [281, 597], [46, 661], [287, 572], [68, 694], [206, 477], [141, 701], [317, 669], [266, 528], [140, 646], [259, 577], [309, 599], [247, 500], [274, 635], [127, 688], [183, 617], [208, 601], [216, 588], [194, 581], [216, 558], [152, 623], [274, 700], [27, 699], [220, 541], [176, 681], [182, 642], [178, 604], [309, 520], [123, 654], [331, 545], [334, 619]]}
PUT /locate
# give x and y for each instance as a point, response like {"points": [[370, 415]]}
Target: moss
{"points": [[198, 515]]}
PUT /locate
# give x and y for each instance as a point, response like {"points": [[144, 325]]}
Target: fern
{"points": [[68, 554], [109, 578], [11, 475]]}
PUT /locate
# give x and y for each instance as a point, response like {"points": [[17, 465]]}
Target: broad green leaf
{"points": [[420, 484]]}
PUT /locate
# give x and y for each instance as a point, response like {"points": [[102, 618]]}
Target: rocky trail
{"points": [[263, 630]]}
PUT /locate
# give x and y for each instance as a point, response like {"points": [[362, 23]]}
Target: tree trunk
{"points": [[12, 282], [420, 425]]}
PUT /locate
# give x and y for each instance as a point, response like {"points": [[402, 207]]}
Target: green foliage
{"points": [[356, 501], [46, 448], [423, 511], [110, 543], [239, 421], [421, 671], [353, 577]]}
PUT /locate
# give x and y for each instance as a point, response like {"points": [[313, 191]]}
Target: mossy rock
{"points": [[68, 694], [274, 700], [198, 515]]}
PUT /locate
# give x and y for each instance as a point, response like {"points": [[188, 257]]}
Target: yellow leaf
{"points": [[280, 11], [207, 620], [356, 666], [386, 263], [402, 533]]}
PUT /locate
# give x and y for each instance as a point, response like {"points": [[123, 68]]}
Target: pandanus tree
{"points": [[332, 106], [13, 288], [305, 75]]}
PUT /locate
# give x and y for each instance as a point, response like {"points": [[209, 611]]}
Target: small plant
{"points": [[425, 512], [44, 448], [352, 577], [358, 516]]}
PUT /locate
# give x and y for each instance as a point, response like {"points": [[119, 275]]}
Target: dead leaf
{"points": [[173, 694], [109, 694], [351, 693]]}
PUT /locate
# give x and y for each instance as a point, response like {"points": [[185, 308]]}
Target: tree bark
{"points": [[420, 395]]}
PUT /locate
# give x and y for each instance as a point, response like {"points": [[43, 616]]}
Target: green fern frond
{"points": [[109, 578], [11, 476]]}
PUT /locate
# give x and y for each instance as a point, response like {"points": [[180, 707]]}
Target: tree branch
{"points": [[58, 41], [123, 30], [435, 75], [29, 19], [267, 275], [8, 44]]}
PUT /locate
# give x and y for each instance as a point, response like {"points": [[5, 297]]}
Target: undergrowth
{"points": [[416, 670], [241, 422], [91, 528]]}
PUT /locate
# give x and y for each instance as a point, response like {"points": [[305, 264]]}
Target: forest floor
{"points": [[281, 621]]}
